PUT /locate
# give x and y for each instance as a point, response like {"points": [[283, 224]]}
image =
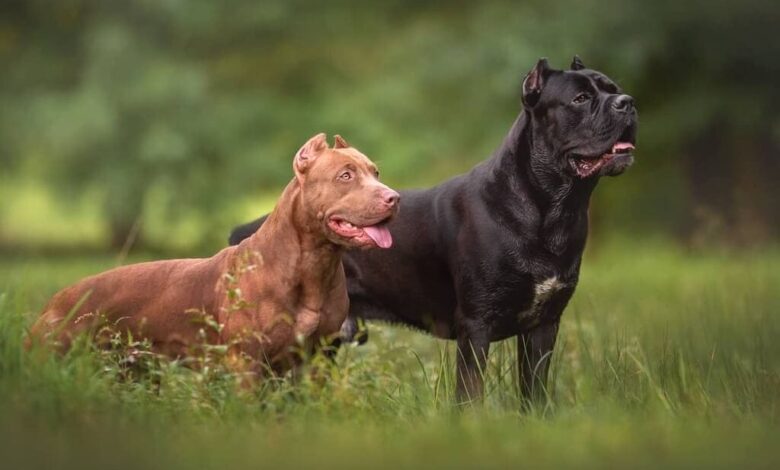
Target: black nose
{"points": [[623, 103]]}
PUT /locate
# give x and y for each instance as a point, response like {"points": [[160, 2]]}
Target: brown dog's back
{"points": [[151, 300]]}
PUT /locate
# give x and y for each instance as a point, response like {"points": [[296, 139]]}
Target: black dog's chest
{"points": [[531, 292]]}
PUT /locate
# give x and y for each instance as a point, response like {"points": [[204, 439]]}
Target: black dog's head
{"points": [[582, 122]]}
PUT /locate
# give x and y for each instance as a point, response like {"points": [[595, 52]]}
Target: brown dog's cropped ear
{"points": [[309, 152], [576, 63], [340, 143], [534, 82]]}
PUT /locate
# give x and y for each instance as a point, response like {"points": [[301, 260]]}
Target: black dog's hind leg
{"points": [[534, 352], [351, 331], [473, 348]]}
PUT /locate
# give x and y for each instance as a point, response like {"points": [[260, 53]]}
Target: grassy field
{"points": [[665, 359]]}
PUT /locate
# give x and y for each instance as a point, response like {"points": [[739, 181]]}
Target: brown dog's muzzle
{"points": [[390, 199], [364, 223]]}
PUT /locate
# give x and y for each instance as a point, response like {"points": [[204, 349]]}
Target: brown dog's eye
{"points": [[581, 98], [376, 174], [346, 176]]}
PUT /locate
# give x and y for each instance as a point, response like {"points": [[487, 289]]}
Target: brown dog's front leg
{"points": [[534, 352], [306, 323], [246, 370]]}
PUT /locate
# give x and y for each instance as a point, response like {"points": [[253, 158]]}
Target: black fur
{"points": [[469, 254]]}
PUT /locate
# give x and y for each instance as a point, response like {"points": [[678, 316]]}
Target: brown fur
{"points": [[281, 287]]}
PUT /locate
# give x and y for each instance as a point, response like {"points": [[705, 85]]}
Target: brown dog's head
{"points": [[340, 189]]}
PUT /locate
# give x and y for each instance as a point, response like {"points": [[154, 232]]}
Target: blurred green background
{"points": [[166, 122], [149, 128]]}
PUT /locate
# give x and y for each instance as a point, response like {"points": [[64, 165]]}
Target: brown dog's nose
{"points": [[390, 197]]}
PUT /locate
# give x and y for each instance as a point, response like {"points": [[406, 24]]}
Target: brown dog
{"points": [[282, 286]]}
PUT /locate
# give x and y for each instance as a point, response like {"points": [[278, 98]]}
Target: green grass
{"points": [[665, 359]]}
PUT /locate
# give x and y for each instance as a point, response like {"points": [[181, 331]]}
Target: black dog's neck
{"points": [[526, 155], [524, 171]]}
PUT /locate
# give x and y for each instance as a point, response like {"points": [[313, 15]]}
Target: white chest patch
{"points": [[545, 289], [542, 293]]}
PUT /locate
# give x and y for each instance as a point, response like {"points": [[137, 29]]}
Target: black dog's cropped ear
{"points": [[576, 63], [534, 82]]}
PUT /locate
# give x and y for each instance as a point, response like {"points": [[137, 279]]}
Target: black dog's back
{"points": [[245, 231]]}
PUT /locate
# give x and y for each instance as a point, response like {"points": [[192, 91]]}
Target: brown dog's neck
{"points": [[292, 245], [291, 217]]}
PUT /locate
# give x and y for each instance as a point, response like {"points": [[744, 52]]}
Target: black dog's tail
{"points": [[245, 231]]}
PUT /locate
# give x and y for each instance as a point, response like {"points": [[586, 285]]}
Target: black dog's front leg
{"points": [[534, 352], [473, 348]]}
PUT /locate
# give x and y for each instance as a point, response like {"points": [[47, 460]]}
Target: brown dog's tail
{"points": [[43, 329], [27, 343], [53, 325]]}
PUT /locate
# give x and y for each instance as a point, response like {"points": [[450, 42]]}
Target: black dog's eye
{"points": [[345, 176], [376, 174], [581, 98]]}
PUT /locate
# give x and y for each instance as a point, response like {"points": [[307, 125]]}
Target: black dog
{"points": [[496, 252]]}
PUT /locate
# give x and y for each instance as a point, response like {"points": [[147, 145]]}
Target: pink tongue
{"points": [[380, 235], [622, 146]]}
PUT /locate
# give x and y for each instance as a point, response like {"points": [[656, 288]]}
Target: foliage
{"points": [[190, 109]]}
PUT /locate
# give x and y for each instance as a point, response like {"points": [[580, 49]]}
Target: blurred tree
{"points": [[201, 103], [706, 78], [128, 111]]}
